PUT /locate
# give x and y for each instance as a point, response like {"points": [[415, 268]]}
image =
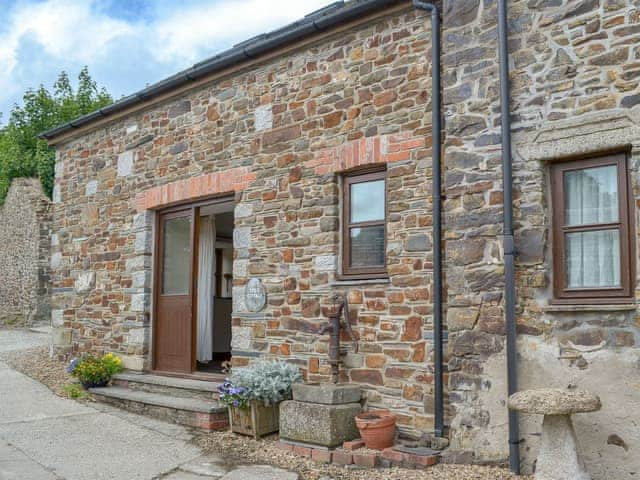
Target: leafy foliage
{"points": [[265, 381], [22, 153], [74, 390], [233, 396], [92, 370]]}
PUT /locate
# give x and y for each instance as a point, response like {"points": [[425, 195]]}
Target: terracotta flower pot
{"points": [[377, 428]]}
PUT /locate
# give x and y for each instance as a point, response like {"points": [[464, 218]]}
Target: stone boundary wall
{"points": [[25, 227]]}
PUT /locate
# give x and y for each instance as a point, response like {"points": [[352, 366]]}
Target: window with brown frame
{"points": [[592, 231], [364, 225]]}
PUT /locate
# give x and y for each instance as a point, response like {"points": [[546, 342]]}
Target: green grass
{"points": [[75, 390]]}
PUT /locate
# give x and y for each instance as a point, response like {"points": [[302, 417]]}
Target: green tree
{"points": [[22, 153]]}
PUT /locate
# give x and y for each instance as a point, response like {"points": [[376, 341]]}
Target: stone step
{"points": [[41, 328], [192, 412], [173, 386]]}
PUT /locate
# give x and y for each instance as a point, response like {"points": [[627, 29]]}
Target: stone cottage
{"points": [[209, 217]]}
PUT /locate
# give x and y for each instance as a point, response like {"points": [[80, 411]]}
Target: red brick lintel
{"points": [[366, 151], [191, 189]]}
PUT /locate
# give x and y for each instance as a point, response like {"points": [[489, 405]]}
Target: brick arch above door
{"points": [[192, 189]]}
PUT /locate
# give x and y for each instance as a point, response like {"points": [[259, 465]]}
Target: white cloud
{"points": [[193, 29], [38, 39], [63, 28]]}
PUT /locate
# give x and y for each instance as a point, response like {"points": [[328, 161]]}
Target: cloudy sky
{"points": [[127, 44]]}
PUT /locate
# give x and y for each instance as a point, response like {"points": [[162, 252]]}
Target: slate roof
{"points": [[318, 21]]}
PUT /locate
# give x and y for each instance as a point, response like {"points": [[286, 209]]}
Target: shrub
{"points": [[93, 371], [268, 382]]}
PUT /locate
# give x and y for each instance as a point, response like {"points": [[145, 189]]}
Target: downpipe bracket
{"points": [[509, 246]]}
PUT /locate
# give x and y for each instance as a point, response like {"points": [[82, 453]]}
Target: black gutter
{"points": [[319, 21], [436, 189], [508, 243]]}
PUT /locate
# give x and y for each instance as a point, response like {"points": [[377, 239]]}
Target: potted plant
{"points": [[95, 371], [377, 428], [253, 395]]}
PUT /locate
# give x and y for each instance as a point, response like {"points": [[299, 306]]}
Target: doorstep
{"points": [[173, 386], [192, 412]]}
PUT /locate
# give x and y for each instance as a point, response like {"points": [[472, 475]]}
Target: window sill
{"points": [[622, 307], [345, 282]]}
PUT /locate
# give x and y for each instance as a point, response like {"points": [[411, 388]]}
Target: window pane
{"points": [[591, 195], [367, 247], [176, 261], [367, 201], [593, 259]]}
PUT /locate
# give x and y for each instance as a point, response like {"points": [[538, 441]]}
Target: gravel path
{"points": [[266, 451]]}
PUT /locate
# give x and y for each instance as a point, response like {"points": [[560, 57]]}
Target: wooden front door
{"points": [[173, 335]]}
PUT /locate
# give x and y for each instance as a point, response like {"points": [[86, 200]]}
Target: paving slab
{"points": [[173, 430], [96, 447], [180, 475], [11, 340], [260, 472], [208, 466], [15, 465], [23, 399]]}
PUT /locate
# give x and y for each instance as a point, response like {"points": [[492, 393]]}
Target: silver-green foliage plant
{"points": [[266, 381]]}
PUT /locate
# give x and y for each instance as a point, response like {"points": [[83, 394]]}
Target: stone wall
{"points": [[25, 223], [277, 136], [575, 72], [269, 135]]}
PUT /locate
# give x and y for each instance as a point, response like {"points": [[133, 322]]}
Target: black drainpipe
{"points": [[509, 248], [436, 130]]}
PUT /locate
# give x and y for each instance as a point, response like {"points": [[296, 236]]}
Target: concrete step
{"points": [[173, 386], [192, 412]]}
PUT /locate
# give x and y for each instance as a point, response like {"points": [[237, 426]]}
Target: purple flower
{"points": [[72, 365], [236, 403]]}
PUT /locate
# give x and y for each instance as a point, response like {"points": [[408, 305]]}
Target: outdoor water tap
{"points": [[340, 308]]}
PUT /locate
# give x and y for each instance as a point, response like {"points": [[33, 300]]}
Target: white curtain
{"points": [[206, 287], [593, 258]]}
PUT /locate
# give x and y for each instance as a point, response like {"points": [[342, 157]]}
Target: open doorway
{"points": [[215, 279], [193, 285]]}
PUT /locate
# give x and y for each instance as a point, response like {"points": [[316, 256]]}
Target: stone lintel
{"points": [[590, 134]]}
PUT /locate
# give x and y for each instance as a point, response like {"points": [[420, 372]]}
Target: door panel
{"points": [[174, 316]]}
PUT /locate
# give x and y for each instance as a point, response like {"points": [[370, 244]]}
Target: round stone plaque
{"points": [[255, 296]]}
